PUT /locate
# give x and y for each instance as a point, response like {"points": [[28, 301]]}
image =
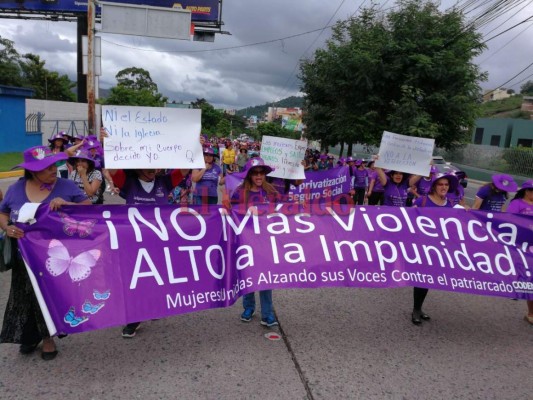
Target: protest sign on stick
{"points": [[152, 137], [405, 153], [285, 155]]}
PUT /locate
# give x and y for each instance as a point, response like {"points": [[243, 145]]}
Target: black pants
{"points": [[419, 295]]}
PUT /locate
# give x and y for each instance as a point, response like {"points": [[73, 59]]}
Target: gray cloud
{"points": [[251, 75]]}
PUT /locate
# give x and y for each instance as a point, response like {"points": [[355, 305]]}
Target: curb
{"points": [[11, 174]]}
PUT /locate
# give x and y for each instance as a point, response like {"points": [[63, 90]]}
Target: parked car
{"points": [[445, 167]]}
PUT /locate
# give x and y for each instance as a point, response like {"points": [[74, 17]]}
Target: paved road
{"points": [[337, 344]]}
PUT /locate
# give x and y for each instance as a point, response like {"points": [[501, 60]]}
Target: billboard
{"points": [[203, 11]]}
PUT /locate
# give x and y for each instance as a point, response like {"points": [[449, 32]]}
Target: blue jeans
{"points": [[265, 297]]}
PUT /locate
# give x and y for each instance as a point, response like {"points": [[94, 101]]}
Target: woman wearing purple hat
{"points": [[492, 196], [522, 203], [360, 182], [58, 144], [207, 180], [23, 320], [396, 185], [440, 187], [86, 176], [256, 190], [375, 188]]}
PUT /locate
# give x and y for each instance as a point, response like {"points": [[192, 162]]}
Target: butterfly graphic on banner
{"points": [[71, 226], [72, 319], [101, 296], [89, 308], [59, 261]]}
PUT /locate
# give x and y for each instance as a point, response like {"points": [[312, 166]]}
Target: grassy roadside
{"points": [[9, 160]]}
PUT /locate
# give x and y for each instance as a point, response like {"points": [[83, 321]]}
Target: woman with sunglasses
{"points": [[256, 190]]}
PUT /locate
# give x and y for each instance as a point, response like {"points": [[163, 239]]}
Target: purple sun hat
{"points": [[349, 159], [452, 181], [527, 185], [254, 163], [504, 182], [208, 151], [358, 163], [81, 154], [38, 158], [59, 135]]}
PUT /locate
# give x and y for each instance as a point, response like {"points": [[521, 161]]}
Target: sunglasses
{"points": [[258, 172]]}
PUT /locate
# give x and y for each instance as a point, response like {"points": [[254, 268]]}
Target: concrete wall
{"points": [[60, 116]]}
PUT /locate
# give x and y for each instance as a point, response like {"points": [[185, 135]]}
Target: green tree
{"points": [[210, 116], [10, 70], [47, 84], [135, 88], [409, 71], [527, 88], [274, 129]]}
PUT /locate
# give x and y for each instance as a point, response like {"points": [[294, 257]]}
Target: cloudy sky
{"points": [[254, 73]]}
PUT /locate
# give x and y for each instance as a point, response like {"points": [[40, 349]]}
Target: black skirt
{"points": [[23, 320]]}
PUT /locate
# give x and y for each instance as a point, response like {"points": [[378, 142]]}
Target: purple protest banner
{"points": [[317, 184], [98, 266]]}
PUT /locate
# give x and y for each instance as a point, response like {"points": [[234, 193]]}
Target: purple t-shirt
{"points": [[373, 176], [456, 197], [16, 196], [423, 186], [491, 201], [420, 202], [519, 206], [360, 178], [134, 193], [259, 197], [395, 194], [209, 182]]}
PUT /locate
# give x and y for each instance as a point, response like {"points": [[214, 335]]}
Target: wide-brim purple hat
{"points": [[358, 163], [208, 151], [59, 135], [349, 159], [91, 144], [82, 154], [256, 162], [452, 181], [504, 182], [391, 172], [38, 158], [527, 185]]}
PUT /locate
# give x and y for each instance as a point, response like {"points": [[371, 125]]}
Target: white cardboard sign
{"points": [[285, 155], [152, 137], [405, 153]]}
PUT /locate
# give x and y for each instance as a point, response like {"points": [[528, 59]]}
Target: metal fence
{"points": [[515, 161]]}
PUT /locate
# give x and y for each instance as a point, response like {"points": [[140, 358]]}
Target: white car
{"points": [[445, 167]]}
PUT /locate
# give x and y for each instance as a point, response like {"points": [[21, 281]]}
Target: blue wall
{"points": [[13, 136]]}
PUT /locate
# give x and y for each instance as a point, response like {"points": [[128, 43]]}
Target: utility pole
{"points": [[91, 114]]}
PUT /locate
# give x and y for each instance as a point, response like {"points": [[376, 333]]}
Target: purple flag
{"points": [[100, 266]]}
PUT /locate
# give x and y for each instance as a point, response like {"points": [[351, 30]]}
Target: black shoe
{"points": [[130, 330], [49, 355], [425, 317], [28, 348], [416, 317]]}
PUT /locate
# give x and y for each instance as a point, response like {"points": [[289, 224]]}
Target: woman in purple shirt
{"points": [[522, 203], [23, 320], [395, 186], [207, 180], [492, 196], [256, 190], [360, 182], [436, 198]]}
